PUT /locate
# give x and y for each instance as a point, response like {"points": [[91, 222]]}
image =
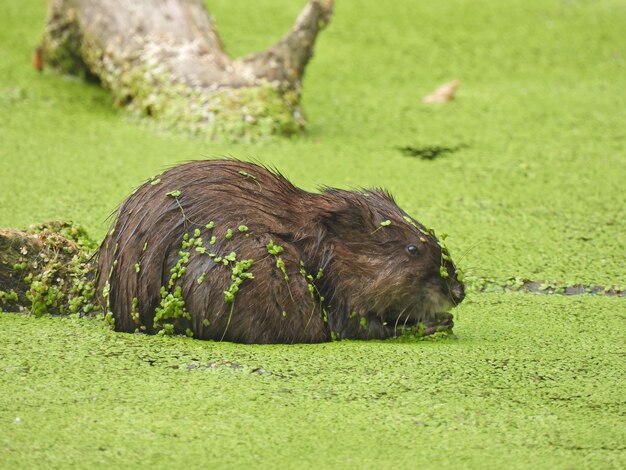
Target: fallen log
{"points": [[46, 270], [164, 59]]}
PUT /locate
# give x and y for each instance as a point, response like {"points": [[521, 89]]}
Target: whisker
{"points": [[395, 327], [466, 252], [408, 315], [406, 320]]}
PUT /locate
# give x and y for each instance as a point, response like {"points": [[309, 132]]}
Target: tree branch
{"points": [[285, 61]]}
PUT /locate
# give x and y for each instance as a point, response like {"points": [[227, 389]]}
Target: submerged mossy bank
{"points": [[528, 381]]}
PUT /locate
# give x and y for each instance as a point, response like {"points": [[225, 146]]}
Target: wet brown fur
{"points": [[370, 286]]}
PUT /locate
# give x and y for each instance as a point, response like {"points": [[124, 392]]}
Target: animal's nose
{"points": [[458, 292]]}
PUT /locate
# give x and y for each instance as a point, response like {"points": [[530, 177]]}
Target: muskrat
{"points": [[229, 250]]}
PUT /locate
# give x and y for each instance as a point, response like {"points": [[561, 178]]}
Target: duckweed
{"points": [[526, 381]]}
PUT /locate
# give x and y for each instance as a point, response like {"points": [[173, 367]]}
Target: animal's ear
{"points": [[344, 214]]}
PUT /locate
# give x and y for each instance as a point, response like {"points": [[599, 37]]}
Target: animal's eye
{"points": [[412, 250]]}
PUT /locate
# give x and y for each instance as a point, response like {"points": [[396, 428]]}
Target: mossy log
{"points": [[46, 269], [165, 60]]}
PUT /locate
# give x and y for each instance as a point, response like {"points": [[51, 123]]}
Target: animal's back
{"points": [[228, 212]]}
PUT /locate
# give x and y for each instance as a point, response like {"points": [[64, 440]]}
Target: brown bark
{"points": [[164, 58]]}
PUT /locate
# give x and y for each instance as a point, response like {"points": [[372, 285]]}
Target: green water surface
{"points": [[536, 190]]}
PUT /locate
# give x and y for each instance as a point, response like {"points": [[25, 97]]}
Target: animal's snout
{"points": [[457, 290]]}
